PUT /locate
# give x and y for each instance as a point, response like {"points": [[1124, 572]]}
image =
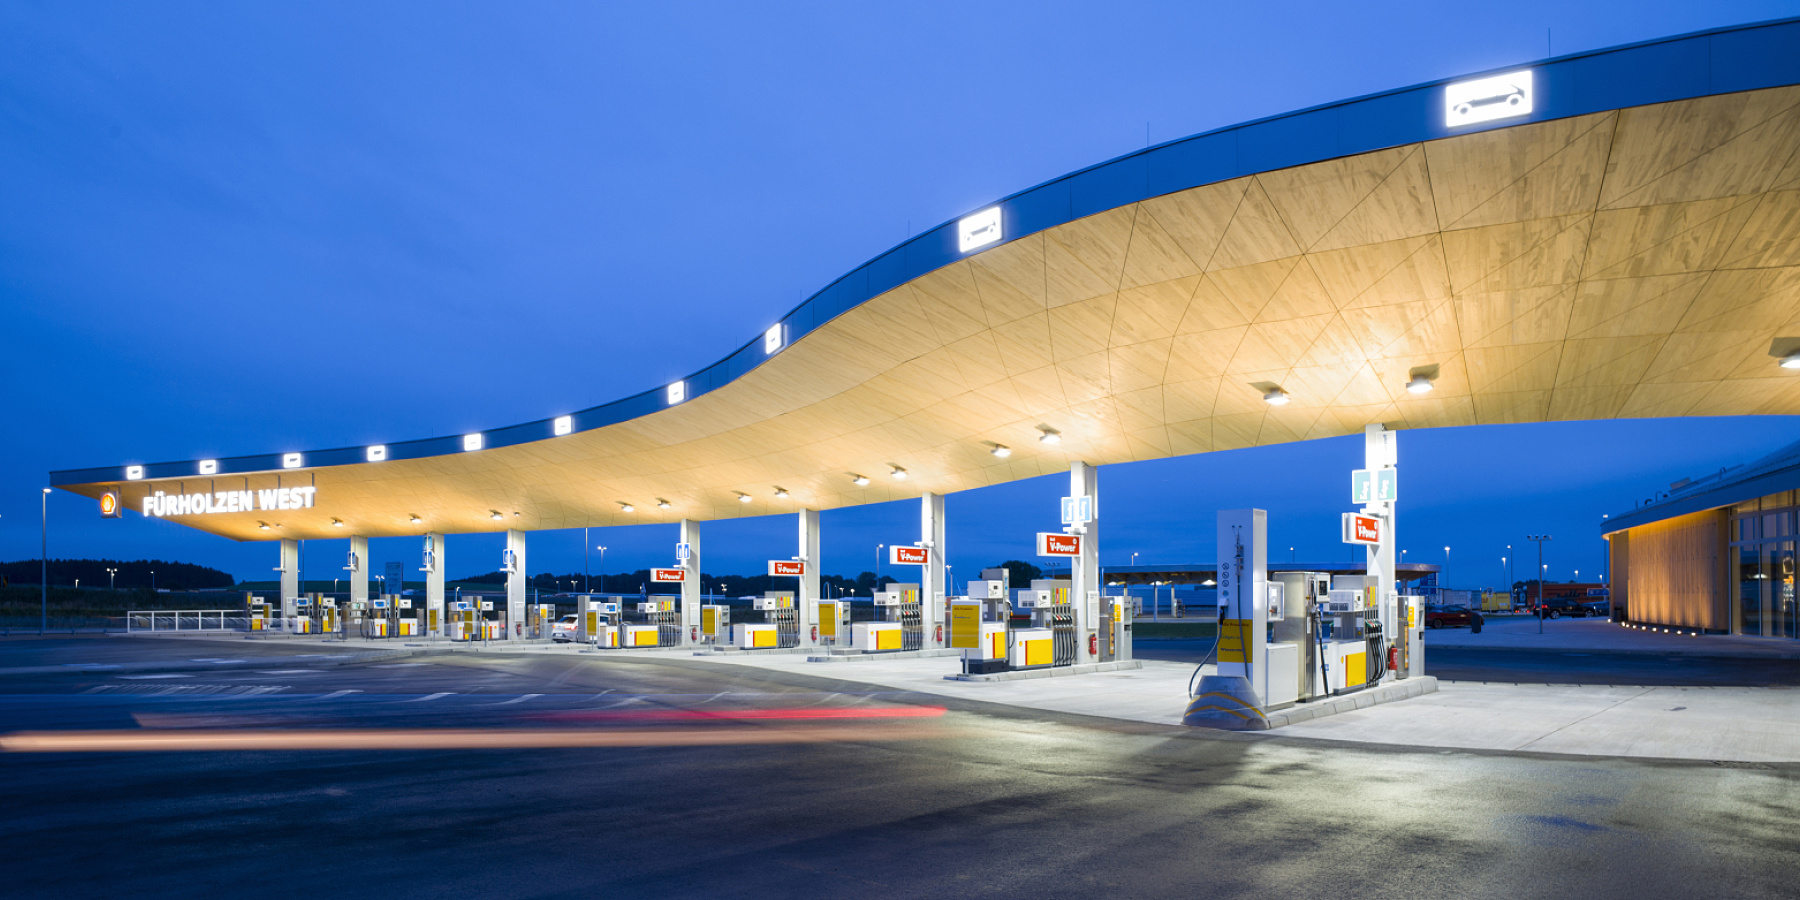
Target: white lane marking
{"points": [[518, 700], [142, 677], [336, 694], [220, 660], [90, 665], [398, 665], [429, 697]]}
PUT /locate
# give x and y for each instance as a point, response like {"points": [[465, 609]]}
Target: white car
{"points": [[565, 629]]}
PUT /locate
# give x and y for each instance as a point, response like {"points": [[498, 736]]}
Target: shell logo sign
{"points": [[109, 505]]}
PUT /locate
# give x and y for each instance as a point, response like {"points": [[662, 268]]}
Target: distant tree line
{"points": [[132, 574]]}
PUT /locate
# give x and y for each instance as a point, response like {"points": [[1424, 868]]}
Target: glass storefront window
{"points": [[1781, 606], [1746, 528], [1750, 589]]}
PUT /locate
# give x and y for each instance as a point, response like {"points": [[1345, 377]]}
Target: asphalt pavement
{"points": [[978, 801]]}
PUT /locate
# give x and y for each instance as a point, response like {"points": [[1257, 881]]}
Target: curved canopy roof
{"points": [[1628, 246]]}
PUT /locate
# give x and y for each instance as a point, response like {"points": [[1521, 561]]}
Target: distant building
{"points": [[1713, 554]]}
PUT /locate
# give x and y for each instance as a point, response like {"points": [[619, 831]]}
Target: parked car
{"points": [[565, 629], [1446, 616], [1558, 607], [1601, 608]]}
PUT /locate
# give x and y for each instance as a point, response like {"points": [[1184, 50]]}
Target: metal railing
{"points": [[186, 620]]}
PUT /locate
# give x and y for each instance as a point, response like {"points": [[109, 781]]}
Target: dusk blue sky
{"points": [[242, 228]]}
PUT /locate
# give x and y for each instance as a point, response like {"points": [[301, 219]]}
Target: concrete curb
{"points": [[1701, 653], [884, 654], [1053, 672], [1375, 696]]}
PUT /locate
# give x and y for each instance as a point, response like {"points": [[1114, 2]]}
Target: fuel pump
{"points": [[406, 617], [600, 623], [1295, 625], [376, 624], [780, 625], [1058, 616], [259, 613], [328, 615], [543, 616], [899, 604]]}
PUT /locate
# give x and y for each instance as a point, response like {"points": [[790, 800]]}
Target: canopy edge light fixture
{"points": [[376, 453], [677, 392], [563, 425], [661, 503], [337, 523], [1276, 397], [1791, 361], [772, 339], [898, 473], [263, 526], [626, 507], [859, 480], [781, 492], [290, 460], [1000, 450], [209, 467], [471, 442], [495, 515], [1419, 385], [134, 473], [742, 497], [1049, 436]]}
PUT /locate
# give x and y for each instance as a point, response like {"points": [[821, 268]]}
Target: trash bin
{"points": [[1475, 621]]}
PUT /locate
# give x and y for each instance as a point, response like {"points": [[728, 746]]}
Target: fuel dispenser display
{"points": [[303, 616], [660, 625], [543, 618], [377, 623], [715, 624], [407, 617]]}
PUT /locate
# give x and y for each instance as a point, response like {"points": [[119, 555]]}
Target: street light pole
{"points": [[587, 584], [603, 570], [878, 549], [109, 578], [44, 570], [1540, 539]]}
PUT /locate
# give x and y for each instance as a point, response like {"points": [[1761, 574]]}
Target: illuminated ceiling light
{"points": [[1209, 583], [376, 453], [1276, 397], [772, 339], [471, 442], [626, 507], [743, 497], [416, 520], [677, 392], [209, 467], [337, 523], [1791, 361], [1419, 385], [134, 473], [661, 503], [898, 473], [977, 230], [290, 461], [781, 492], [496, 515], [859, 480], [563, 425], [263, 525], [1001, 450], [1049, 436]]}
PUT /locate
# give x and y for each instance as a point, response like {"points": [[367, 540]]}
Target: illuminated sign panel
{"points": [[205, 503], [1054, 544], [786, 567], [377, 453], [1487, 99], [1360, 529], [134, 473], [666, 576], [677, 392], [290, 461], [564, 425], [109, 505], [978, 230], [471, 442], [772, 339], [908, 556], [209, 467]]}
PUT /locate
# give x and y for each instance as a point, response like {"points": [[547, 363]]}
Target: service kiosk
{"points": [[715, 624]]}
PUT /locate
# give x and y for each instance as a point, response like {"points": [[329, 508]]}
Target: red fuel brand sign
{"points": [[1053, 544], [668, 575], [786, 567], [908, 556], [1361, 529]]}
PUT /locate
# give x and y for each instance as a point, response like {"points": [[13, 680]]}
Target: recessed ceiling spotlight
{"points": [[661, 503], [1419, 385], [496, 515], [1001, 450], [1049, 436], [1276, 397], [859, 480], [743, 497], [898, 473], [337, 523], [1791, 361], [416, 520], [626, 507], [781, 492], [263, 525]]}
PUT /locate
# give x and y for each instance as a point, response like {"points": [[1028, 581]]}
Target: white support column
{"points": [[1381, 451], [290, 581], [1236, 697], [432, 564], [932, 589], [515, 584], [690, 586], [357, 573], [807, 597], [1084, 584]]}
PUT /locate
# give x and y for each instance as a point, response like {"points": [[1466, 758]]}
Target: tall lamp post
{"points": [[878, 549], [44, 570], [1445, 576], [109, 578], [587, 584], [1540, 539], [602, 570]]}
